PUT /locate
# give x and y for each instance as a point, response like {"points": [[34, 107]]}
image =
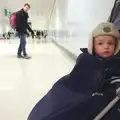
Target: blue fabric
{"points": [[22, 46], [71, 97], [117, 21]]}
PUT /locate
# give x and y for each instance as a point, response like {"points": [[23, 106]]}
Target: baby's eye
{"points": [[100, 43], [110, 43]]}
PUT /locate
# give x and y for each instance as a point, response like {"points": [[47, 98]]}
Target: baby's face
{"points": [[104, 46]]}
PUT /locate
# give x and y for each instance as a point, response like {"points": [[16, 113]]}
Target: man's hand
{"points": [[32, 32]]}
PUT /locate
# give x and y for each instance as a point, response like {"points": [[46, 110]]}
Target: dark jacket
{"points": [[69, 97], [22, 22]]}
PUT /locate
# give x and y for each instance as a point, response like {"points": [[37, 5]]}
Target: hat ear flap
{"points": [[117, 49], [90, 45]]}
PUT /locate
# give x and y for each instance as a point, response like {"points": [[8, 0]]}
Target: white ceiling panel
{"points": [[38, 7], [39, 13]]}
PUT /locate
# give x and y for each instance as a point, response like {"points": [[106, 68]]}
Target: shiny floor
{"points": [[25, 82]]}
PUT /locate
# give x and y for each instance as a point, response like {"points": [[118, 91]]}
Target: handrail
{"points": [[52, 10]]}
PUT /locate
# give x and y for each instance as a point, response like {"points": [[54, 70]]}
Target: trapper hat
{"points": [[105, 28]]}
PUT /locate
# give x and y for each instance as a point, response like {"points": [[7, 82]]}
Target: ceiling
{"points": [[42, 8], [39, 13]]}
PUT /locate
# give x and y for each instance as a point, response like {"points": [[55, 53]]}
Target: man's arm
{"points": [[18, 19], [29, 28]]}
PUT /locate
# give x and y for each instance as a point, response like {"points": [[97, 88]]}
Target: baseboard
{"points": [[70, 54]]}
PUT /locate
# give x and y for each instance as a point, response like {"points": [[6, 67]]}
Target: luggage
{"points": [[13, 20]]}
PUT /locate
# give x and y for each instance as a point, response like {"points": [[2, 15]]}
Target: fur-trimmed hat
{"points": [[105, 28]]}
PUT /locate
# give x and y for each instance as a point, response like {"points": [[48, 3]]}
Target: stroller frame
{"points": [[111, 104]]}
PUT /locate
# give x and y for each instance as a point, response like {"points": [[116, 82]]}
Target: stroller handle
{"points": [[109, 106]]}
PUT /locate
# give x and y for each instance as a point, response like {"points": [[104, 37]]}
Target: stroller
{"points": [[113, 102], [78, 111]]}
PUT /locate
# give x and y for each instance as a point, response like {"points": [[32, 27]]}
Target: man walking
{"points": [[22, 26]]}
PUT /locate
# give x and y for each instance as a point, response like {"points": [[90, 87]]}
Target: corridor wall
{"points": [[72, 21]]}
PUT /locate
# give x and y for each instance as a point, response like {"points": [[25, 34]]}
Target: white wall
{"points": [[4, 23], [38, 22], [75, 19]]}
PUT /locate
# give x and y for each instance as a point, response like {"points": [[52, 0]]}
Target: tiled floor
{"points": [[24, 82]]}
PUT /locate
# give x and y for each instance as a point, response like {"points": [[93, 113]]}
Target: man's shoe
{"points": [[26, 57], [20, 56]]}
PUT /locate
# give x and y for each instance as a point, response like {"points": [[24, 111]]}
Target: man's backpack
{"points": [[13, 20]]}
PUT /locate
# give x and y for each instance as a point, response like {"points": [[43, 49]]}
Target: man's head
{"points": [[26, 7]]}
